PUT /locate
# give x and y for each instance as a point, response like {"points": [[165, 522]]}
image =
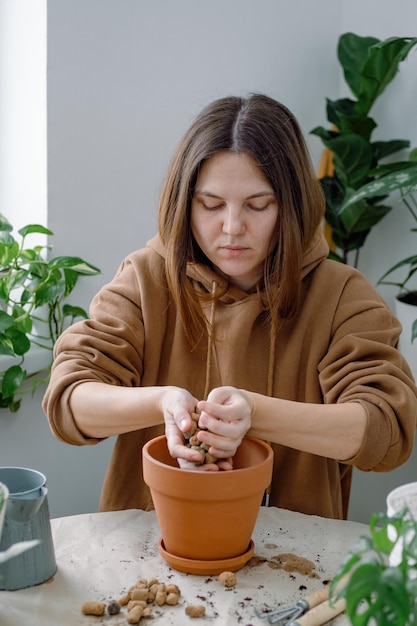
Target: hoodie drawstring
{"points": [[271, 363], [210, 340]]}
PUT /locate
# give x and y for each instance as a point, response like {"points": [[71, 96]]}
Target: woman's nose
{"points": [[233, 222]]}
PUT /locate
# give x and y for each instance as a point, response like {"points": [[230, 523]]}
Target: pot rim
{"points": [[261, 442]]}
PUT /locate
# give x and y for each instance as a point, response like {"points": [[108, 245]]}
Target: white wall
{"points": [[23, 110], [124, 80]]}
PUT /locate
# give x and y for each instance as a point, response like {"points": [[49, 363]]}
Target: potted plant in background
{"points": [[378, 589], [369, 65], [33, 308], [401, 275]]}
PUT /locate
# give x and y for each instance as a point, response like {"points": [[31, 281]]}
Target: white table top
{"points": [[101, 555]]}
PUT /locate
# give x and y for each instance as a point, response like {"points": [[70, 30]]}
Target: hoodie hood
{"points": [[316, 251]]}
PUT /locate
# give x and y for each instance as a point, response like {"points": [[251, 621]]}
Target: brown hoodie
{"points": [[339, 347]]}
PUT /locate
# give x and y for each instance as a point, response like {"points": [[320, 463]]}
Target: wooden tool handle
{"points": [[321, 614], [317, 597]]}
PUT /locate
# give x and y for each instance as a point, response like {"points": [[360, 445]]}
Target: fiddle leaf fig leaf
{"points": [[352, 52], [362, 216], [381, 67], [382, 149], [369, 64], [352, 159], [343, 115]]}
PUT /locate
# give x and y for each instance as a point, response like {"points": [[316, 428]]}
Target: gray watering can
{"points": [[26, 519]]}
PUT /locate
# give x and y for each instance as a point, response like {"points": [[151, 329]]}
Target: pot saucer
{"points": [[204, 567]]}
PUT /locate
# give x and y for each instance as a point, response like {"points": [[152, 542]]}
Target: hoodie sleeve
{"points": [[107, 348], [364, 365]]}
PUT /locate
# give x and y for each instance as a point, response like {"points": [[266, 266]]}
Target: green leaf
{"points": [[350, 241], [8, 251], [397, 180], [6, 345], [381, 67], [414, 330], [5, 224], [74, 311], [75, 264], [50, 289], [382, 149], [21, 343], [9, 403], [370, 65], [352, 52], [71, 279], [23, 320], [12, 380], [362, 216], [342, 107], [379, 593], [352, 159], [343, 115], [34, 228], [325, 134], [382, 169], [6, 321]]}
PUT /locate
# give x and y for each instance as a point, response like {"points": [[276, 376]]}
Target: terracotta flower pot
{"points": [[207, 518]]}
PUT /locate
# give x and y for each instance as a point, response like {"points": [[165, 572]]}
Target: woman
{"points": [[234, 310]]}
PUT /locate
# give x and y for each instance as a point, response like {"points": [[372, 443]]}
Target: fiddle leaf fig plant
{"points": [[377, 591], [33, 307], [369, 65], [404, 181]]}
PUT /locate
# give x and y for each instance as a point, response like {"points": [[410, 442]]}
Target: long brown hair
{"points": [[268, 132]]}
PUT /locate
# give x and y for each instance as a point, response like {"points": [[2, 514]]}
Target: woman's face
{"points": [[233, 215]]}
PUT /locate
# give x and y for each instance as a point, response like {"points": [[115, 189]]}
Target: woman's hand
{"points": [[226, 414], [177, 406]]}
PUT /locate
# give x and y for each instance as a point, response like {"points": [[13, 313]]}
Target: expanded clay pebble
{"points": [[138, 600], [134, 615], [228, 579], [193, 442], [195, 610], [93, 608]]}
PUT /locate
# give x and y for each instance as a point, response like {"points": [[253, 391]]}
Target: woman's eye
{"points": [[255, 207], [211, 207]]}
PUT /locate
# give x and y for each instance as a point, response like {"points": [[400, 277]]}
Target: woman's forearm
{"points": [[101, 410], [335, 431]]}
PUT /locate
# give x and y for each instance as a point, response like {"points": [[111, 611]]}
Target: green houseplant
{"points": [[377, 592], [402, 180], [33, 307], [369, 65]]}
